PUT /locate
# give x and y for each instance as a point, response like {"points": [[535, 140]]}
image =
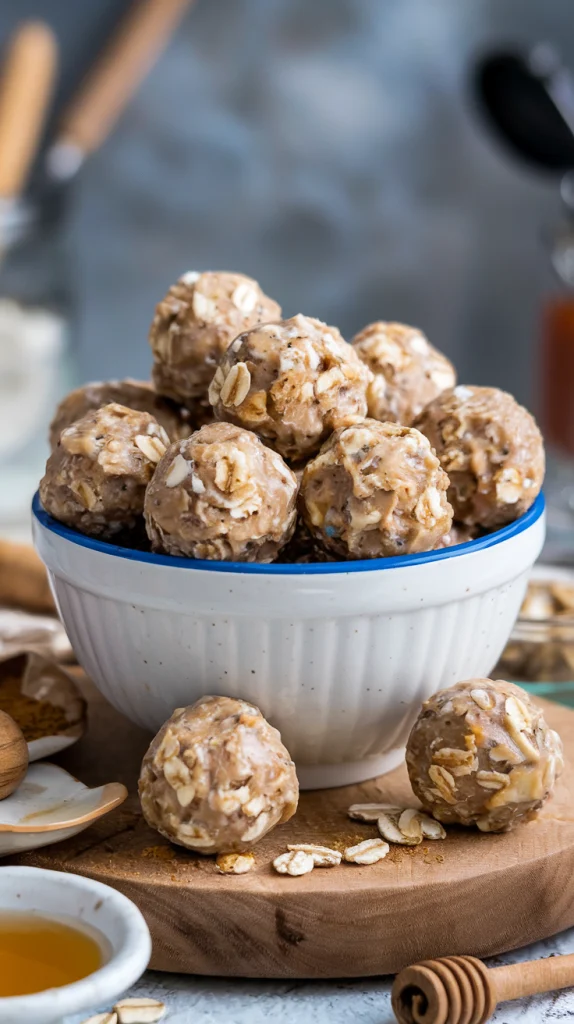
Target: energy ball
{"points": [[376, 489], [480, 753], [193, 325], [134, 394], [221, 494], [292, 382], [217, 777], [492, 451], [96, 478], [408, 372]]}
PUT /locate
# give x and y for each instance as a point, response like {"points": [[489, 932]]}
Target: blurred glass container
{"points": [[36, 361], [540, 652]]}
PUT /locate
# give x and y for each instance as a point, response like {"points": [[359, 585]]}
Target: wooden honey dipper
{"points": [[461, 990]]}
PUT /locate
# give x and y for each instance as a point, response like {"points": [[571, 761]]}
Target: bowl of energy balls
{"points": [[330, 530]]}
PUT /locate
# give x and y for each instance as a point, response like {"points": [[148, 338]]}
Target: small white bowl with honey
{"points": [[67, 945]]}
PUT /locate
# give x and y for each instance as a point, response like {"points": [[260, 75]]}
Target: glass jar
{"points": [[36, 364], [540, 652]]}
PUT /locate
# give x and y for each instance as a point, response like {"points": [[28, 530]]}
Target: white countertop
{"points": [[192, 1000]]}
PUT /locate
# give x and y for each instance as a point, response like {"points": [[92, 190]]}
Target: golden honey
{"points": [[37, 953]]}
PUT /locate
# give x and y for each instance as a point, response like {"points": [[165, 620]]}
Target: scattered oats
{"points": [[178, 472], [139, 1010], [235, 387], [388, 828], [235, 863], [190, 277], [409, 824], [102, 1018], [371, 812], [323, 856], [368, 852], [151, 447], [431, 828], [203, 307], [245, 297], [294, 862]]}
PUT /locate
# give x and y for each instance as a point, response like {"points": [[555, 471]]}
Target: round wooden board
{"points": [[472, 893]]}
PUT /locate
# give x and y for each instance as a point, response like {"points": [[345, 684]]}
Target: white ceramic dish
{"points": [[338, 656], [127, 943], [51, 805]]}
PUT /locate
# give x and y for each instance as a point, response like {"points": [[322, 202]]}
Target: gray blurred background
{"points": [[330, 149]]}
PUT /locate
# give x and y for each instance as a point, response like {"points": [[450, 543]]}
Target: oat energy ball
{"points": [[376, 489], [217, 777], [292, 382], [480, 753], [193, 325], [408, 372], [492, 451], [221, 494], [96, 478], [134, 394]]}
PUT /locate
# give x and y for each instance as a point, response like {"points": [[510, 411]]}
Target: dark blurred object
{"points": [[528, 100]]}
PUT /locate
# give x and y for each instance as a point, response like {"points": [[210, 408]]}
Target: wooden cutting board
{"points": [[471, 893]]}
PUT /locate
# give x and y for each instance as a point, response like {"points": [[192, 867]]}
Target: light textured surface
{"points": [[207, 1000]]}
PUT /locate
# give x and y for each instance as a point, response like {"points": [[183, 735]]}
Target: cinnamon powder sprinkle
{"points": [[36, 718]]}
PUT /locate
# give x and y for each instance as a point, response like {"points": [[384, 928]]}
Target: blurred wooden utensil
{"points": [[140, 38], [25, 90], [462, 990]]}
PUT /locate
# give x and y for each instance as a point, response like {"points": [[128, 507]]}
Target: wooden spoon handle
{"points": [[142, 35], [528, 979], [25, 90]]}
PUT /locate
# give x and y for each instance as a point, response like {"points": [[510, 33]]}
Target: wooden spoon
{"points": [[25, 91]]}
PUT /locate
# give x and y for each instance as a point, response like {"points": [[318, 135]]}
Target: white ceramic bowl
{"points": [[338, 656], [77, 901]]}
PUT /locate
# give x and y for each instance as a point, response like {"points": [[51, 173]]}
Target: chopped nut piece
{"points": [[390, 831], [368, 852], [492, 780], [323, 856], [371, 812], [102, 1018], [139, 1010], [235, 863], [483, 699], [294, 862]]}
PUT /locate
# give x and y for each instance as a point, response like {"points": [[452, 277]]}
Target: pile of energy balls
{"points": [[264, 439]]}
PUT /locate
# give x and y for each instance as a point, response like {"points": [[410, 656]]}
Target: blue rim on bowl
{"points": [[279, 569]]}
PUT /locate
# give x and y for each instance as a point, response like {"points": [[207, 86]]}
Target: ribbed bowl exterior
{"points": [[340, 662]]}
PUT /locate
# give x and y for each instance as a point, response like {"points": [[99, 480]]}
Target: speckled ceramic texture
{"points": [[122, 931], [338, 656]]}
